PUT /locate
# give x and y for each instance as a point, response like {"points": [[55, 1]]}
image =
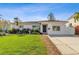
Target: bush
{"points": [[13, 31], [17, 31], [24, 31], [35, 31], [2, 34], [0, 30]]}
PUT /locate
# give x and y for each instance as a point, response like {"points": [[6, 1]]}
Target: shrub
{"points": [[35, 31], [13, 31], [24, 31], [1, 30], [2, 34]]}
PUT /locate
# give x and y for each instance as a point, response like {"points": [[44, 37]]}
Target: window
{"points": [[33, 26], [56, 28]]}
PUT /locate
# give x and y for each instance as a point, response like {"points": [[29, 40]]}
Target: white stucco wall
{"points": [[64, 30], [71, 20], [14, 26], [30, 26], [27, 25]]}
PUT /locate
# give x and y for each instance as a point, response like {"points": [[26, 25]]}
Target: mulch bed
{"points": [[51, 48]]}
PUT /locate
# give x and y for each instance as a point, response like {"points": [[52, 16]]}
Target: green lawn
{"points": [[22, 45]]}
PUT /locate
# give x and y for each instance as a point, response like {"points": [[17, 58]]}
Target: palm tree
{"points": [[76, 17], [16, 20]]}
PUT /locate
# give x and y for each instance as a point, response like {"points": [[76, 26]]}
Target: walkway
{"points": [[67, 45]]}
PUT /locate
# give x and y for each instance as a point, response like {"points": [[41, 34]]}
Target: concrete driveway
{"points": [[67, 45]]}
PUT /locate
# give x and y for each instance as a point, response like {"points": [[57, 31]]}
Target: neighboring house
{"points": [[74, 21], [50, 26]]}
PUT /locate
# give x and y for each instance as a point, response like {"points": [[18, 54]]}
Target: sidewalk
{"points": [[66, 45]]}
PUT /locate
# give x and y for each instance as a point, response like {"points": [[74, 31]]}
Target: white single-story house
{"points": [[50, 26], [56, 28]]}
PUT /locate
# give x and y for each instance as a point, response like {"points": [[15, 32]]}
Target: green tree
{"points": [[76, 17], [16, 20]]}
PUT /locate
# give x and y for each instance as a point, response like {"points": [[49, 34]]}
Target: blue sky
{"points": [[37, 11]]}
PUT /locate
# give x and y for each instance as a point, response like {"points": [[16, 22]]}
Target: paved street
{"points": [[68, 45]]}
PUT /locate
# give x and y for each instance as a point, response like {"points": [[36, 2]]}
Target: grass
{"points": [[22, 45]]}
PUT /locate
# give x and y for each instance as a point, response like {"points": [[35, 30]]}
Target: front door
{"points": [[44, 28]]}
